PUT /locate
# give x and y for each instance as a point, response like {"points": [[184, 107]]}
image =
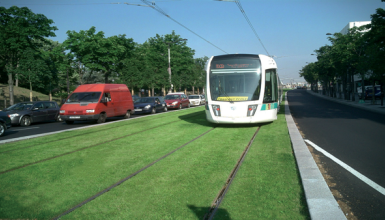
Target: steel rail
{"points": [[84, 148], [60, 139], [127, 178], [218, 199]]}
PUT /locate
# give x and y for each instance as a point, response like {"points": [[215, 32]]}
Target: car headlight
{"points": [[62, 111], [174, 103], [90, 111], [13, 115], [147, 106]]}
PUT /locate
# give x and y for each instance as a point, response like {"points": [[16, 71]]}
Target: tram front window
{"points": [[235, 79]]}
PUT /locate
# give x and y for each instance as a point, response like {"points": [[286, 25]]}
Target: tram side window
{"points": [[271, 90]]}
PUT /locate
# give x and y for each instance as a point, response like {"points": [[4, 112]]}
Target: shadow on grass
{"points": [[200, 118], [200, 212]]}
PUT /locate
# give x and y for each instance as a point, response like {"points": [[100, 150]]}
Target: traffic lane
{"points": [[52, 126], [353, 135], [363, 201], [312, 121]]}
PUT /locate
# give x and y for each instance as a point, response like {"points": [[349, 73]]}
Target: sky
{"points": [[288, 30]]}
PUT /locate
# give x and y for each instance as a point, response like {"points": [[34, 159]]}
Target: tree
{"points": [[98, 53], [32, 69], [18, 28]]}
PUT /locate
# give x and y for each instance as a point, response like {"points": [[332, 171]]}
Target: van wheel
{"points": [[127, 115], [102, 119], [58, 118], [69, 122], [25, 121], [2, 129], [165, 109], [153, 110]]}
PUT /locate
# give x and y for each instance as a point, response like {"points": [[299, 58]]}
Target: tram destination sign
{"points": [[235, 64]]}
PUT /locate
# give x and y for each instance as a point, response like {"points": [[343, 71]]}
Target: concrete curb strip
{"points": [[320, 200]]}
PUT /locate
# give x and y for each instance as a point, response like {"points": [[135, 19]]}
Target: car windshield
{"points": [[145, 100], [170, 97], [20, 106], [84, 97], [193, 97]]}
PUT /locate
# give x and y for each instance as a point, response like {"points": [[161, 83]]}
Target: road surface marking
{"points": [[348, 168]]}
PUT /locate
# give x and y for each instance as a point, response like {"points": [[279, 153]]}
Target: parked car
{"points": [[96, 102], [177, 100], [5, 122], [369, 92], [150, 105], [195, 100], [26, 113], [135, 97]]}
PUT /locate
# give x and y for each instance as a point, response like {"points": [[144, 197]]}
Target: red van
{"points": [[97, 102]]}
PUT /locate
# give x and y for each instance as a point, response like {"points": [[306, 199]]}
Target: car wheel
{"points": [[165, 109], [153, 110], [2, 129], [127, 115], [180, 106], [69, 122], [58, 118], [25, 121], [102, 119]]}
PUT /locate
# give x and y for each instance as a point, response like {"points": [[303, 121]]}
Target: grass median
{"points": [[267, 185], [181, 186]]}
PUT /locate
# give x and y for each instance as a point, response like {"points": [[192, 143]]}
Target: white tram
{"points": [[242, 88]]}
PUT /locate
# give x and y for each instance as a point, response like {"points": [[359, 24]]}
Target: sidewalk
{"points": [[367, 106]]}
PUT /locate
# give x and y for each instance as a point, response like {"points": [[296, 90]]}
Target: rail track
{"points": [[84, 148]]}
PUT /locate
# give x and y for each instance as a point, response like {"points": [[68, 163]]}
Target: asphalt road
{"points": [[354, 136]]}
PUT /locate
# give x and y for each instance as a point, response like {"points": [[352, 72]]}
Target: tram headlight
{"points": [[251, 109], [216, 110]]}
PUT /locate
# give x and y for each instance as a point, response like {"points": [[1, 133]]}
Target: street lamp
{"points": [[169, 61]]}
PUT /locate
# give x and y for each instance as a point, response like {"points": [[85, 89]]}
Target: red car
{"points": [[177, 100]]}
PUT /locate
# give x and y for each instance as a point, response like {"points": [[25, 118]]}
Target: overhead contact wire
{"points": [[158, 9], [251, 26]]}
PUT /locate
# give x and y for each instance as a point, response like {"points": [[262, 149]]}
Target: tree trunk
{"points": [[68, 84], [132, 92], [10, 84], [193, 90], [198, 90], [373, 93], [30, 91], [152, 90]]}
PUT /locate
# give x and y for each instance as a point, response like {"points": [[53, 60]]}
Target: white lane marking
{"points": [[24, 129], [348, 168]]}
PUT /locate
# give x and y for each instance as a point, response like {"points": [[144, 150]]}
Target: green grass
{"points": [[268, 185], [181, 186]]}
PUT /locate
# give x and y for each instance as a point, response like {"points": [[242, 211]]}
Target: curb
{"points": [[319, 199]]}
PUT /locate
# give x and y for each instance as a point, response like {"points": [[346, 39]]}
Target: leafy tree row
{"points": [[360, 52], [29, 59]]}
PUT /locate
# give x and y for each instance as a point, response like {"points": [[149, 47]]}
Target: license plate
{"points": [[74, 117], [138, 110]]}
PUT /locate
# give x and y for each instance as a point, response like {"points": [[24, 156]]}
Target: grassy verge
{"points": [[45, 189], [181, 186], [268, 185]]}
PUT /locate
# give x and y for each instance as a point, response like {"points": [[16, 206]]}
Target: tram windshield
{"points": [[235, 78]]}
